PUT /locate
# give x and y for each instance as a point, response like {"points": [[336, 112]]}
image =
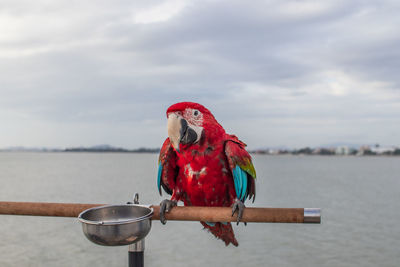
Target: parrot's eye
{"points": [[196, 113]]}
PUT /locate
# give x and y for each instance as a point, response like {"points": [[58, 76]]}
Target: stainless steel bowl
{"points": [[116, 225]]}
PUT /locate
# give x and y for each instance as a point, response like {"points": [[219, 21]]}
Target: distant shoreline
{"points": [[335, 151], [117, 150], [95, 149]]}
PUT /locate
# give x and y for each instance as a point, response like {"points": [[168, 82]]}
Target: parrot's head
{"points": [[187, 122]]}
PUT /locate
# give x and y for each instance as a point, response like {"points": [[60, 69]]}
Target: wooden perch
{"points": [[209, 214]]}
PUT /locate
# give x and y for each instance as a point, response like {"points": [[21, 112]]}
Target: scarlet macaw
{"points": [[202, 165]]}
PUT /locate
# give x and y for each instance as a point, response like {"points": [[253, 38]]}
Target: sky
{"points": [[275, 73]]}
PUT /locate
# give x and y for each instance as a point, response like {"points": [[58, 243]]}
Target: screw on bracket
{"points": [[136, 199]]}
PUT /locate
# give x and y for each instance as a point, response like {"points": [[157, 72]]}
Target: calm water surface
{"points": [[359, 197]]}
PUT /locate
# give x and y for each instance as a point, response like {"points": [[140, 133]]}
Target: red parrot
{"points": [[201, 165]]}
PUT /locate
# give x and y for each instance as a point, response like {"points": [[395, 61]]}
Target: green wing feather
{"points": [[242, 168]]}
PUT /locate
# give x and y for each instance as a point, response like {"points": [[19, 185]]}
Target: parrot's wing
{"points": [[167, 168], [242, 168]]}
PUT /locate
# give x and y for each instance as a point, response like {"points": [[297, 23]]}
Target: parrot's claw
{"points": [[239, 206], [165, 206]]}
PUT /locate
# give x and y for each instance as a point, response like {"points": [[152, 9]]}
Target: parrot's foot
{"points": [[239, 206], [165, 206]]}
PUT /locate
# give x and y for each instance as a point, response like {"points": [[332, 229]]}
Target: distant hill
{"points": [[108, 148], [96, 149], [30, 149]]}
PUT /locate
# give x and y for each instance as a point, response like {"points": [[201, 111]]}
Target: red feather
{"points": [[223, 232], [169, 173]]}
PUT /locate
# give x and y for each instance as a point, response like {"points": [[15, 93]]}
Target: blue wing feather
{"points": [[240, 180], [235, 180], [244, 187], [239, 196], [159, 177]]}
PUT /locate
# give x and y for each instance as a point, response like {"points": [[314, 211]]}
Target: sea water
{"points": [[359, 198]]}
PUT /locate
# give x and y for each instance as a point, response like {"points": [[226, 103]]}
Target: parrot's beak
{"points": [[174, 129], [180, 132]]}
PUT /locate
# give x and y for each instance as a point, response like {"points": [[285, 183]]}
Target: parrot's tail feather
{"points": [[222, 231]]}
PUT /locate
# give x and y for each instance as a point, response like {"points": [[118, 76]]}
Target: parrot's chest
{"points": [[194, 175], [204, 180], [200, 170]]}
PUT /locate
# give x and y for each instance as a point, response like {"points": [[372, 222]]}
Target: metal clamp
{"points": [[312, 215]]}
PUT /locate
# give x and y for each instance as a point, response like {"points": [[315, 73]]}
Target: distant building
{"points": [[323, 151], [364, 150], [383, 150], [342, 150]]}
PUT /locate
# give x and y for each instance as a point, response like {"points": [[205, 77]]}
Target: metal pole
{"points": [[136, 250], [136, 254]]}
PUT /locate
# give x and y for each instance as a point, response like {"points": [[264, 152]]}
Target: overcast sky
{"points": [[275, 73]]}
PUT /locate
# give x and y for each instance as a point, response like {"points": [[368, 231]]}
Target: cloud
{"points": [[326, 69], [159, 13]]}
